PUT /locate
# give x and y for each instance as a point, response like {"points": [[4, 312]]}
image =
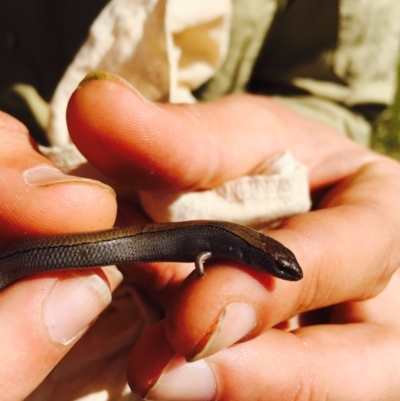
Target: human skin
{"points": [[37, 315], [347, 247]]}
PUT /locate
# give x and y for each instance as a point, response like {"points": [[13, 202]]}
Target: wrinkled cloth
{"points": [[163, 48], [278, 189]]}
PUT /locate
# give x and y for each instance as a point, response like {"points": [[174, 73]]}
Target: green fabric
{"points": [[342, 119], [250, 23], [334, 61], [24, 103]]}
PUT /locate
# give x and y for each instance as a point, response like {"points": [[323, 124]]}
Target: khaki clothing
{"points": [[334, 60]]}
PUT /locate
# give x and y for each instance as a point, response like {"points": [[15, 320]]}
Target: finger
{"points": [[202, 317], [37, 198], [381, 310], [339, 362], [182, 147], [147, 143], [38, 333], [159, 280], [331, 362]]}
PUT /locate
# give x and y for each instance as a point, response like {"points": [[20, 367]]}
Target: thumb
{"points": [[168, 146], [37, 334]]}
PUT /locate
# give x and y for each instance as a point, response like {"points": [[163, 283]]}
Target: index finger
{"points": [[342, 256], [199, 146]]}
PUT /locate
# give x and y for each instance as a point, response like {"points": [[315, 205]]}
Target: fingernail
{"points": [[182, 381], [43, 176], [236, 321], [109, 76], [73, 303], [114, 276]]}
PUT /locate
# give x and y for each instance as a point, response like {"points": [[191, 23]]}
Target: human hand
{"points": [[42, 317], [347, 347]]}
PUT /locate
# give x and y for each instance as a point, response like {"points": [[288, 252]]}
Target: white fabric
{"points": [[164, 48], [277, 190]]}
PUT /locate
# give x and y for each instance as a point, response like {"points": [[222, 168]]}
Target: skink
{"points": [[190, 241]]}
